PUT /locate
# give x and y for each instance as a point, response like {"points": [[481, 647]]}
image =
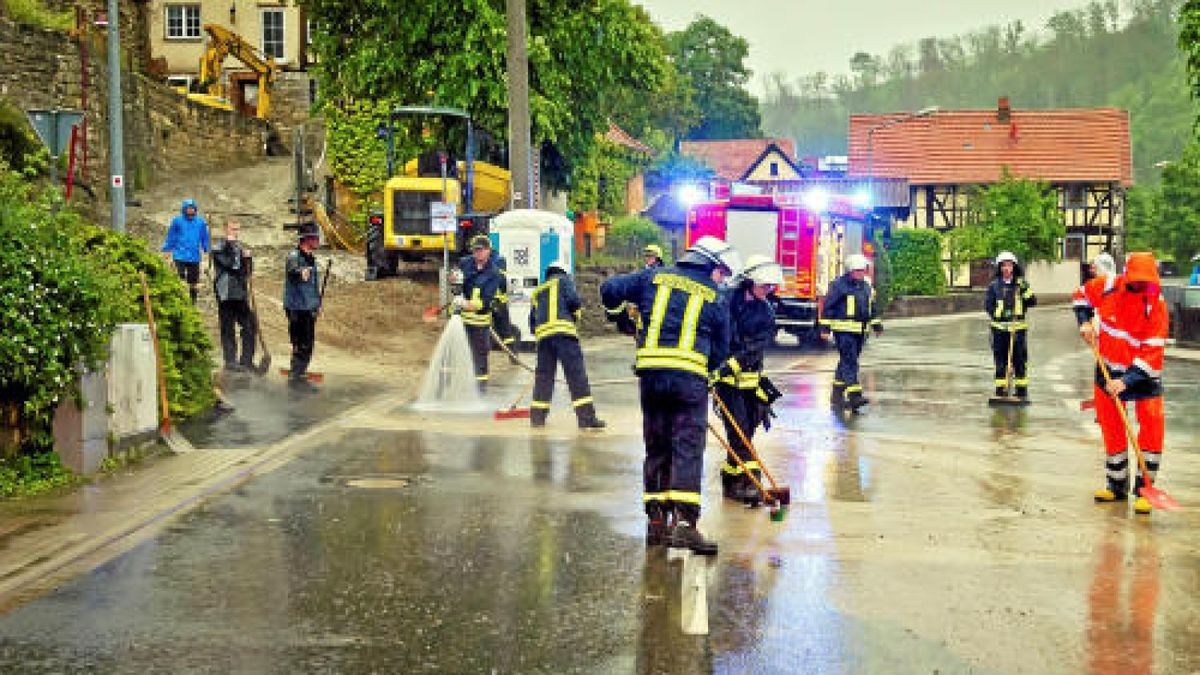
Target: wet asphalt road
{"points": [[931, 534]]}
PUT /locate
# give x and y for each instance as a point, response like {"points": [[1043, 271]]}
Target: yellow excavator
{"points": [[223, 43]]}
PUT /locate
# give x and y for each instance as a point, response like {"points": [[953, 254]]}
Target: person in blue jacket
{"points": [[187, 240], [302, 303]]}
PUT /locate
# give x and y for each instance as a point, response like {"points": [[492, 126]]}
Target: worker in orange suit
{"points": [[1130, 330]]}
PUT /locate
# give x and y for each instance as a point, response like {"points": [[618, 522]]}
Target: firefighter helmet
{"points": [[480, 241], [1141, 266], [307, 233], [654, 250], [856, 262], [709, 252], [556, 267], [1006, 256], [763, 271], [1105, 265]]}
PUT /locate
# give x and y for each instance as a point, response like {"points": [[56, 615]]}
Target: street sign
{"points": [[118, 181], [443, 217], [53, 127]]}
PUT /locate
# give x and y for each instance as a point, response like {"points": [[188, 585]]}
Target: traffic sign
{"points": [[118, 181], [443, 217], [53, 127]]}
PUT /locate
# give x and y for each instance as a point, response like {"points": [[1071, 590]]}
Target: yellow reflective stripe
{"points": [[853, 388], [662, 297], [731, 469], [540, 405], [686, 285], [585, 400], [1010, 326], [748, 381], [1021, 381], [850, 305], [552, 292], [734, 365], [844, 325], [555, 328], [1001, 381], [999, 309], [691, 322], [473, 319], [683, 496], [671, 364], [481, 378], [655, 496], [695, 358]]}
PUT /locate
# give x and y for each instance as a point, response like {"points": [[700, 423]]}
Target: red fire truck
{"points": [[807, 234]]}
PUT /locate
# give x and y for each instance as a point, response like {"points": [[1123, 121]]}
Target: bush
{"points": [[64, 285], [630, 234], [35, 13], [28, 475], [916, 263]]}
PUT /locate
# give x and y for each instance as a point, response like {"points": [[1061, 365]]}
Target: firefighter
{"points": [[653, 256], [739, 387], [501, 320], [1008, 298], [553, 315], [847, 311], [1131, 334], [686, 338], [479, 290], [1102, 265]]}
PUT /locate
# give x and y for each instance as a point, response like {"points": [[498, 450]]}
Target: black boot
{"points": [[1022, 392], [751, 495], [537, 417], [837, 397], [685, 535], [729, 486], [657, 528], [856, 400], [593, 424]]}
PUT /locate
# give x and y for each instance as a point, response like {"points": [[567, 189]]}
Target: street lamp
{"points": [[923, 112]]}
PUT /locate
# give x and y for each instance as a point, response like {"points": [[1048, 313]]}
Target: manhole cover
{"points": [[378, 482]]}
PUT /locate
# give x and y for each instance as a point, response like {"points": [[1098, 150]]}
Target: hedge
{"points": [[916, 261]]}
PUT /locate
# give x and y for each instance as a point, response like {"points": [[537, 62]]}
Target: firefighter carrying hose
{"points": [[1008, 298], [480, 285], [686, 338], [553, 314], [847, 311], [1131, 334], [752, 327]]}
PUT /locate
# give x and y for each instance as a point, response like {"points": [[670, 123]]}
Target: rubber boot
{"points": [[537, 417], [1140, 504], [729, 486], [1115, 491], [751, 496], [1002, 392], [657, 528], [837, 397], [1022, 392], [856, 400], [685, 535]]}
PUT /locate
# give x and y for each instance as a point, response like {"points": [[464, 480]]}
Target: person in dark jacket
{"points": [[481, 282], [187, 239], [501, 320], [233, 266], [1008, 298], [553, 312], [847, 311], [739, 387], [302, 303], [685, 340]]}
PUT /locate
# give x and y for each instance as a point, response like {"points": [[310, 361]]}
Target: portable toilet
{"points": [[529, 240]]}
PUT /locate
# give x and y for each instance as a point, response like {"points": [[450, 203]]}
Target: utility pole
{"points": [[520, 144], [116, 127]]}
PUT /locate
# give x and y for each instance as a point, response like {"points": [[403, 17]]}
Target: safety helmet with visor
{"points": [[856, 262], [556, 267], [653, 250], [710, 252], [763, 271]]}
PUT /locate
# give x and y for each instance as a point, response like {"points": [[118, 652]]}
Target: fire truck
{"points": [[808, 234]]}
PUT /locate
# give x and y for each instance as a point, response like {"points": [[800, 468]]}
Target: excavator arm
{"points": [[223, 43]]}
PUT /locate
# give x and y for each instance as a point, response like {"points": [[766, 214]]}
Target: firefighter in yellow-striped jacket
{"points": [[553, 315], [848, 311], [481, 283]]}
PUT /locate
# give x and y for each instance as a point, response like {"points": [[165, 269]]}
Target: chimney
{"points": [[1003, 110]]}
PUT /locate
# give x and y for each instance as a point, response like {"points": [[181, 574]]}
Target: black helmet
{"points": [[307, 233]]}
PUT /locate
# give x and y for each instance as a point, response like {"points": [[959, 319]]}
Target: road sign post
{"points": [[53, 127]]}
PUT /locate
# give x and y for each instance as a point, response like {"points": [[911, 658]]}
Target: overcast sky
{"points": [[804, 36]]}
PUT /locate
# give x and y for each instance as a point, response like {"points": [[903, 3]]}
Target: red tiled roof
{"points": [[731, 159], [972, 146], [616, 134]]}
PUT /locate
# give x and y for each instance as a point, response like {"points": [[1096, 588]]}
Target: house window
{"points": [[272, 33], [774, 169], [1076, 196], [183, 22]]}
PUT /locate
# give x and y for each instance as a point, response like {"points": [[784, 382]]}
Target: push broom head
{"points": [[511, 414]]}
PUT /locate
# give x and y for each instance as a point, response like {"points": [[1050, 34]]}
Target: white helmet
{"points": [[1006, 256], [1105, 265], [763, 271], [708, 251], [557, 266], [856, 262]]}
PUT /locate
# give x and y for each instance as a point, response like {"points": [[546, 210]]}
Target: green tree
{"points": [[915, 262], [1144, 218], [713, 60], [582, 54], [1014, 214], [1179, 227]]}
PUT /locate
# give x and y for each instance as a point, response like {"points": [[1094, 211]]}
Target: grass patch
{"points": [[34, 13]]}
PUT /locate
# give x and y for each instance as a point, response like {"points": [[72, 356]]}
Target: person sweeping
{"points": [[553, 314], [1008, 299], [1129, 334]]}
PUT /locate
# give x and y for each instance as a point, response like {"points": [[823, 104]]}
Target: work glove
{"points": [[625, 324]]}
